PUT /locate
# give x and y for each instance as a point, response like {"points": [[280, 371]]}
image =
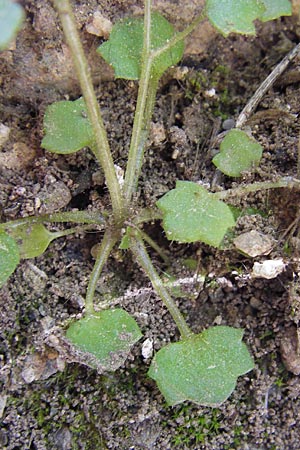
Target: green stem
{"points": [[147, 215], [101, 149], [145, 262], [93, 218], [107, 244], [155, 246], [61, 233], [178, 36], [144, 108], [146, 99], [290, 183]]}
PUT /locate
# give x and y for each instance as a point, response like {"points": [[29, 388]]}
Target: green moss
{"points": [[194, 430], [196, 82]]}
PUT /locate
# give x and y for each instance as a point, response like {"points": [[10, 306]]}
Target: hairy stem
{"points": [[178, 37], [259, 186], [155, 246], [144, 108], [107, 244], [88, 217], [146, 99], [68, 231], [101, 149], [145, 262]]}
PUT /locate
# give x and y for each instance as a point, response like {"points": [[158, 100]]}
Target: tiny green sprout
{"points": [[202, 368], [238, 153], [11, 18], [280, 382]]}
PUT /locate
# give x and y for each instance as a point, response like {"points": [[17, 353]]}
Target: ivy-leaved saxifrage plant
{"points": [[202, 368]]}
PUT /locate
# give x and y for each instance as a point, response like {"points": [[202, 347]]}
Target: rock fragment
{"points": [[253, 243]]}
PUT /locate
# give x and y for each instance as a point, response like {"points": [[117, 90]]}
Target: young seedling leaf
{"points": [[125, 241], [123, 50], [237, 16], [11, 18], [67, 128], [32, 239], [238, 152], [191, 214], [202, 369], [9, 257], [108, 335]]}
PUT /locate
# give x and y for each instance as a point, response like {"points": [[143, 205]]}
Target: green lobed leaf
{"points": [[192, 214], [202, 369], [67, 128], [123, 50], [32, 239], [11, 18], [9, 257], [275, 9], [237, 16], [238, 152], [108, 335]]}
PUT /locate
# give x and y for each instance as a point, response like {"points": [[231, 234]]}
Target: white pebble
{"points": [[268, 269], [147, 348]]}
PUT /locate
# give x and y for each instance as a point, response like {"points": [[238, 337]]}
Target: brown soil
{"points": [[47, 404]]}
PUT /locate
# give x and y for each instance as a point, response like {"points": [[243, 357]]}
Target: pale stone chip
{"points": [[40, 366], [147, 348], [157, 133], [254, 243], [268, 269], [289, 348], [3, 400], [54, 197], [99, 25], [4, 134], [18, 158]]}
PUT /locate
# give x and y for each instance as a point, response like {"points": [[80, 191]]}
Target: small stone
{"points": [[63, 439], [255, 303], [99, 25], [175, 153], [290, 350], [218, 320], [40, 366], [3, 400], [18, 158], [157, 133], [178, 136], [210, 92], [228, 124], [54, 197], [35, 277], [268, 269], [4, 134], [147, 348], [254, 243]]}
